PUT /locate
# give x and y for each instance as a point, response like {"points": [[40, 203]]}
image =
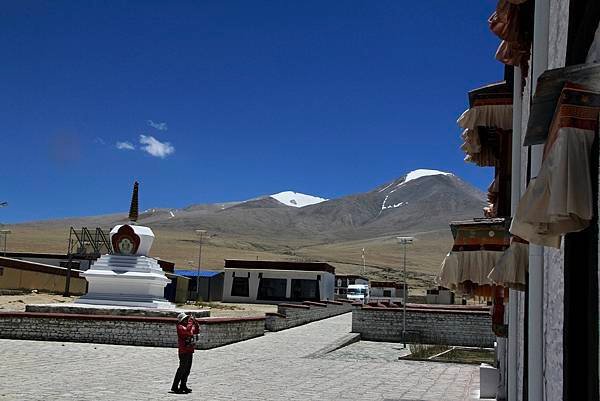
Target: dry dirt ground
{"points": [[384, 257], [217, 309], [18, 302]]}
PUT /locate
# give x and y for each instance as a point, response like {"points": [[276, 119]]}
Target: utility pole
{"points": [[67, 293], [363, 260], [5, 233], [404, 241], [200, 233]]}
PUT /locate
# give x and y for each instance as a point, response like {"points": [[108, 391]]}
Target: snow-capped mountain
{"points": [[297, 199], [420, 200]]}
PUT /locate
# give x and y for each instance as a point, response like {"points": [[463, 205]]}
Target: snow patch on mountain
{"points": [[413, 175], [297, 199]]}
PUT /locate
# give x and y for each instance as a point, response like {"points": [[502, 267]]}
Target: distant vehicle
{"points": [[358, 292]]}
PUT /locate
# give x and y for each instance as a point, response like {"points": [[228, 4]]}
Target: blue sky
{"points": [[244, 98]]}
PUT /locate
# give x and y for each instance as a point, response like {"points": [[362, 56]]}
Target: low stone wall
{"points": [[215, 332], [291, 315], [450, 325], [124, 330]]}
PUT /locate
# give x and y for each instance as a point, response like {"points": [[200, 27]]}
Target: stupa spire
{"points": [[133, 209]]}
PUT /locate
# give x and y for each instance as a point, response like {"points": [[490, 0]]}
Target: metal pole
{"points": [[68, 277], [404, 302], [364, 264], [199, 262]]}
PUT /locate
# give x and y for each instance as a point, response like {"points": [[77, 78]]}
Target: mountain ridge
{"points": [[419, 200]]}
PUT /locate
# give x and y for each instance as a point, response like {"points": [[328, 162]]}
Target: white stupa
{"points": [[128, 277]]}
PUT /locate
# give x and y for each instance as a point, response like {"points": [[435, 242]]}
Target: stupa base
{"points": [[137, 301]]}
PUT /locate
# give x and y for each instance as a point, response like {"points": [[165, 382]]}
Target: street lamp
{"points": [[5, 234], [200, 233], [364, 271], [404, 241]]}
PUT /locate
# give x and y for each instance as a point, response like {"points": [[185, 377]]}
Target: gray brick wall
{"points": [[149, 332], [292, 316], [467, 328]]}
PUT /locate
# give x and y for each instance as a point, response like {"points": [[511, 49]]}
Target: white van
{"points": [[358, 292]]}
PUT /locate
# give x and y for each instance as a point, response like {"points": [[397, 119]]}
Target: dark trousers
{"points": [[185, 365]]}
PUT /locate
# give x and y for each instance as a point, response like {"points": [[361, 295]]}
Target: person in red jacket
{"points": [[187, 329]]}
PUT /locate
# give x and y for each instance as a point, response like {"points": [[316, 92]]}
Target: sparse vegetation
{"points": [[473, 356], [424, 351], [421, 352]]}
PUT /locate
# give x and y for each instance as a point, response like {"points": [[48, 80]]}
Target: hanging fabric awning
{"points": [[478, 246], [489, 115], [559, 200], [492, 197], [512, 267], [593, 55], [512, 22], [492, 114], [547, 93]]}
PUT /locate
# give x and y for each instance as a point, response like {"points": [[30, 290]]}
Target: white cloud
{"points": [[99, 141], [158, 126], [125, 146], [155, 147]]}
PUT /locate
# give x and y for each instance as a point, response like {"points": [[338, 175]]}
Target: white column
{"points": [[513, 311], [536, 258]]}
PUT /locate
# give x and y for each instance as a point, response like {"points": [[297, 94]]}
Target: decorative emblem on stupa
{"points": [[125, 241]]}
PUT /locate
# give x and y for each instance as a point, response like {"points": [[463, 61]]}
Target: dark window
{"points": [[305, 290], [1, 271], [272, 289], [387, 293], [240, 287]]}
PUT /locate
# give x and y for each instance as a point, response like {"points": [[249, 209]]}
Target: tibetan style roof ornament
{"points": [[133, 208]]}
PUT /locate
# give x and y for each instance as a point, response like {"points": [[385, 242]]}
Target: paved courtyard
{"points": [[273, 367]]}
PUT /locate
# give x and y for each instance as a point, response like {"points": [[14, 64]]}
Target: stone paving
{"points": [[273, 367], [369, 351]]}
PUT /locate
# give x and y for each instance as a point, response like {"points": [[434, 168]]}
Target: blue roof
{"points": [[195, 273]]}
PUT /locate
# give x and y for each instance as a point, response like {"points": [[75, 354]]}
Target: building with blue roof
{"points": [[209, 282]]}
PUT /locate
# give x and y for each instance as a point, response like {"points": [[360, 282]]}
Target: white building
{"points": [[440, 295], [272, 281], [386, 291]]}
